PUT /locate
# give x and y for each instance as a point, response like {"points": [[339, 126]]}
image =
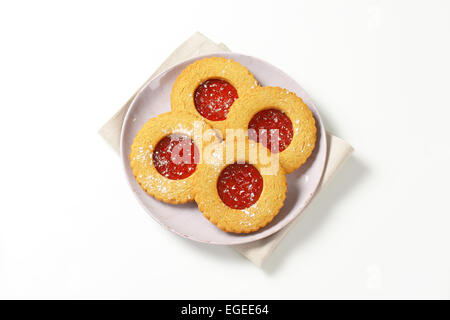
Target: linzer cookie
{"points": [[241, 194], [278, 119], [165, 154], [238, 183], [209, 87]]}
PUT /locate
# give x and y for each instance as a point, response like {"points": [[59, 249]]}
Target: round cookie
{"points": [[276, 108], [208, 87], [240, 194], [165, 154]]}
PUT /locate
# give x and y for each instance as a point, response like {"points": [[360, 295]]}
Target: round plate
{"points": [[186, 220]]}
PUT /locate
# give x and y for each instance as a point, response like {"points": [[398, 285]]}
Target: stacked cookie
{"points": [[227, 144]]}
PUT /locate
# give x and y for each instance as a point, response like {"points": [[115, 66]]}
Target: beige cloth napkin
{"points": [[198, 44]]}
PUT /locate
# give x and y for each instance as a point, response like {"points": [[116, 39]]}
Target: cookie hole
{"points": [[213, 99], [272, 128], [176, 156], [239, 185]]}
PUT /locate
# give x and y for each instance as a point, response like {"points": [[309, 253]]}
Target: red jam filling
{"points": [[239, 185], [174, 156], [264, 124], [213, 99]]}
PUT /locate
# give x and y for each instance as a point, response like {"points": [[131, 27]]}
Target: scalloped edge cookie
{"points": [[141, 161], [246, 220], [303, 122], [182, 96]]}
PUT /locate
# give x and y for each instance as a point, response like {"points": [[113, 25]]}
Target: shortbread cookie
{"points": [[209, 87], [242, 194], [267, 108], [165, 154]]}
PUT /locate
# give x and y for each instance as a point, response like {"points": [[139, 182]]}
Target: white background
{"points": [[71, 228]]}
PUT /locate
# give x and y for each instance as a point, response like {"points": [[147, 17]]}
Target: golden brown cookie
{"points": [[208, 87], [266, 108], [241, 194], [165, 154]]}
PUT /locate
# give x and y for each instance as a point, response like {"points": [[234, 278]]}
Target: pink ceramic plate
{"points": [[186, 220]]}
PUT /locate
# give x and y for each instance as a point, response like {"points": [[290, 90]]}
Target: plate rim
{"points": [[242, 240]]}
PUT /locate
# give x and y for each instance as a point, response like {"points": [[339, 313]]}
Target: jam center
{"points": [[213, 99], [271, 128], [239, 185], [174, 156]]}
